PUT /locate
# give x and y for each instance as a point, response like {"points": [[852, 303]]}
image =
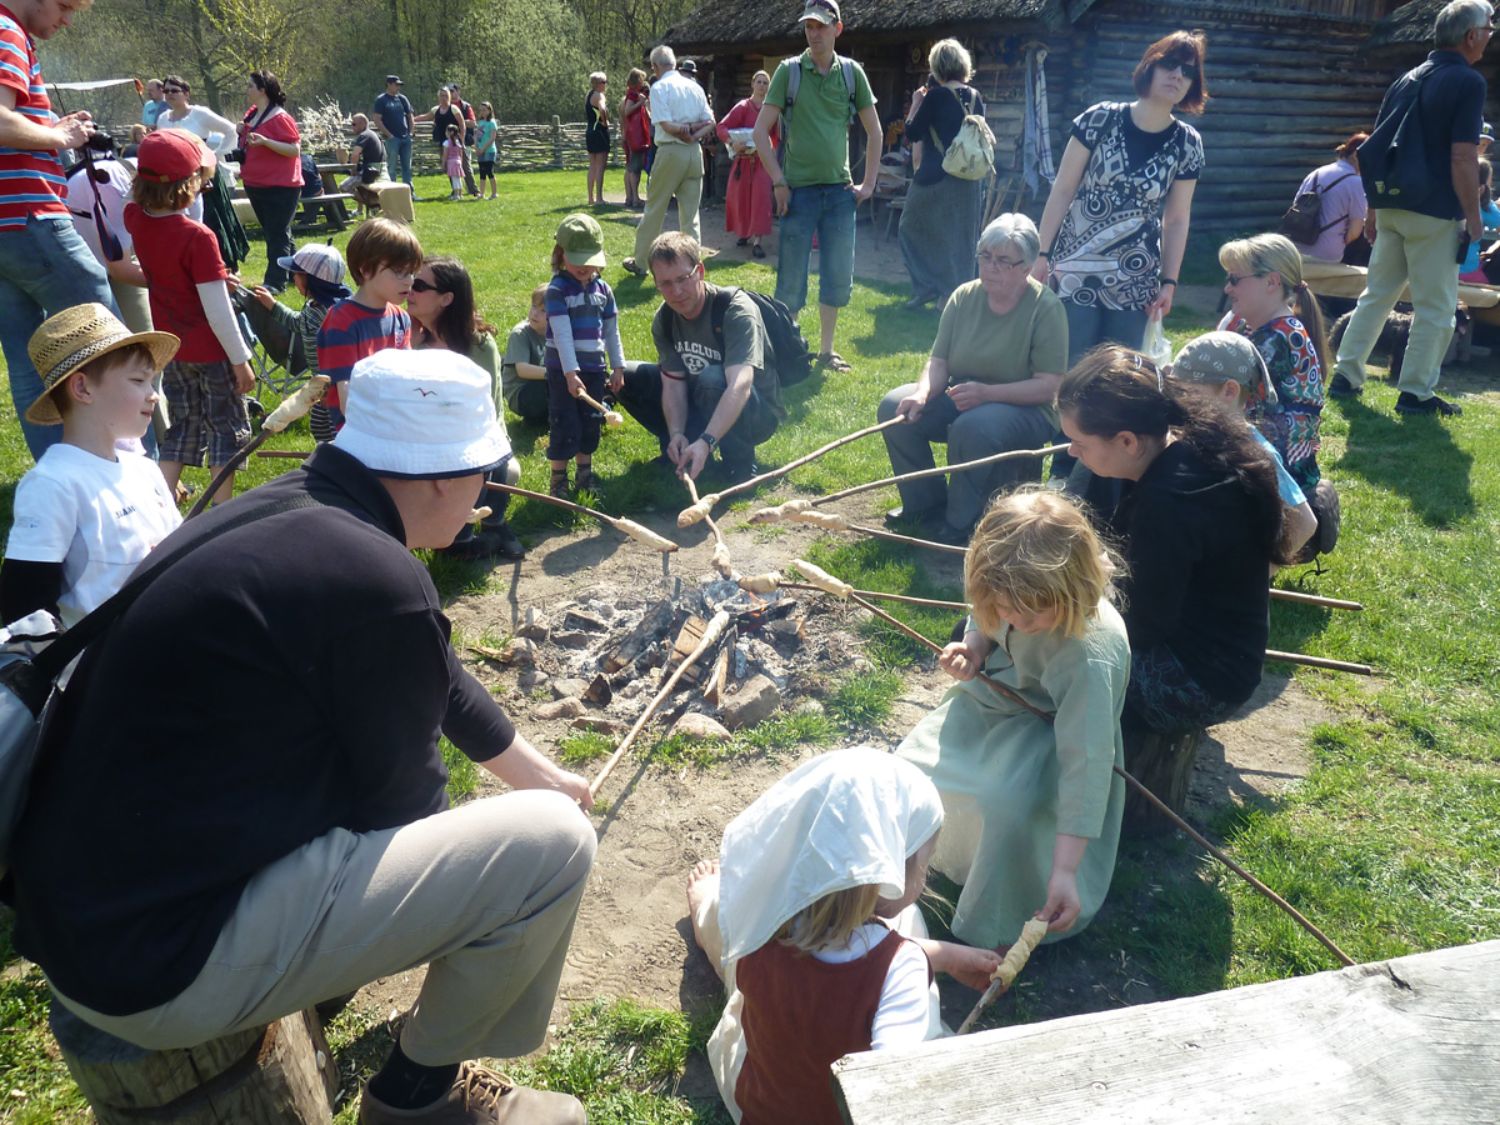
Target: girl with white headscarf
{"points": [[811, 916]]}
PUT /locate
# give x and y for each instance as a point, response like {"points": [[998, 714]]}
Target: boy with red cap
{"points": [[187, 283]]}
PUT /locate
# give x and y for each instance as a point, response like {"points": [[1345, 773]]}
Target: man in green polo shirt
{"points": [[812, 186]]}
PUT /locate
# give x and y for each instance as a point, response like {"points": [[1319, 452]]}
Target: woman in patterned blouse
{"points": [[1272, 305], [1116, 221]]}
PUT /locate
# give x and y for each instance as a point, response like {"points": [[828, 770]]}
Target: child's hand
{"points": [[264, 296], [244, 378], [617, 379], [575, 384], [1063, 906], [969, 966], [960, 661]]}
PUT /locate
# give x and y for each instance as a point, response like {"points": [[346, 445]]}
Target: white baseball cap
{"points": [[318, 260], [421, 415]]}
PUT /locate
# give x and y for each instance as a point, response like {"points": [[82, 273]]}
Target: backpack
{"points": [[972, 153], [1393, 160], [1300, 222], [792, 354]]}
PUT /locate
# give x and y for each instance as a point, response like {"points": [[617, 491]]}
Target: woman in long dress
{"points": [[747, 203]]}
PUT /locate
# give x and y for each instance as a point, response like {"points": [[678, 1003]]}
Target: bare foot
{"points": [[696, 888], [702, 889]]}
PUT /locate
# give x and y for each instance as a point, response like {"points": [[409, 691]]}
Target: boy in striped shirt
{"points": [[383, 257]]}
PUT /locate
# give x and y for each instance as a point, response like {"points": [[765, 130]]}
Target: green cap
{"points": [[582, 241]]}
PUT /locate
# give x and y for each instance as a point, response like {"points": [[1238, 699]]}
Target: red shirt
{"points": [[177, 255], [31, 181], [264, 168]]}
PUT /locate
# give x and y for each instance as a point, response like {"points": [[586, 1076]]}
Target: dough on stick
{"points": [[1015, 960]]}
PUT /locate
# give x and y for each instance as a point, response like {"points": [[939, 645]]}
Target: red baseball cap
{"points": [[169, 155]]}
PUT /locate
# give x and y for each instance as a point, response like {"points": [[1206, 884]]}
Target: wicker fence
{"points": [[523, 148]]}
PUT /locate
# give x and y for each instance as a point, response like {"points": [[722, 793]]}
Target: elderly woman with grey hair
{"points": [[988, 386], [940, 219]]}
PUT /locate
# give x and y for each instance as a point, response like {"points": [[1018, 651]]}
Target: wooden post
{"points": [[1164, 765], [557, 142], [280, 1074]]}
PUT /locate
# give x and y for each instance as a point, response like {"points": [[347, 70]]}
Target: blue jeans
{"points": [[1088, 327], [44, 268], [828, 211], [398, 157]]}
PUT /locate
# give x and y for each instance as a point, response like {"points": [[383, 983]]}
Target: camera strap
{"points": [[108, 243]]}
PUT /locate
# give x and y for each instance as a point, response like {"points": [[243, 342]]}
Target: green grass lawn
{"points": [[1391, 845]]}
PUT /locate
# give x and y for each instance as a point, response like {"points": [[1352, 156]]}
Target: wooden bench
{"points": [[280, 1074], [1414, 1039], [335, 214], [1334, 279]]}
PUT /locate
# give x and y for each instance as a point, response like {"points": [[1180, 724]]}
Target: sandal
{"points": [[586, 481], [558, 489], [834, 362]]}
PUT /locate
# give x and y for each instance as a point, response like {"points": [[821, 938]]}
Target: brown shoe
{"points": [[480, 1096]]}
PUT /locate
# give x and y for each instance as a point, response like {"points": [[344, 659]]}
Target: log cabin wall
{"points": [[1284, 90]]}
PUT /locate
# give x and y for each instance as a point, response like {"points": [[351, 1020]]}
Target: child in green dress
{"points": [[1032, 805]]}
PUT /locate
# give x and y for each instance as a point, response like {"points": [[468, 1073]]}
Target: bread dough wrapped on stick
{"points": [[828, 521], [698, 511], [478, 515], [295, 405], [823, 580], [642, 534], [721, 560], [1015, 960], [612, 418], [760, 583], [780, 511]]}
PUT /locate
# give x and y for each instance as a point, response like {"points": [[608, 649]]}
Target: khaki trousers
{"points": [[1423, 251], [677, 170], [484, 894]]}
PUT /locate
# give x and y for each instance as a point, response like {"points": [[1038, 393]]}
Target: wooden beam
{"points": [[1388, 1043]]}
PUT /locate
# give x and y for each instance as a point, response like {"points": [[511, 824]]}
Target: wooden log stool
{"points": [[1163, 763], [280, 1074]]}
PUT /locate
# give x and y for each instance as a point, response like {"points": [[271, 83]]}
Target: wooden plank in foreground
{"points": [[1415, 1039]]}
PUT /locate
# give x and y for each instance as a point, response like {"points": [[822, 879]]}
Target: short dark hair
{"points": [[175, 80], [96, 369], [268, 82], [1186, 47], [675, 246], [382, 242]]}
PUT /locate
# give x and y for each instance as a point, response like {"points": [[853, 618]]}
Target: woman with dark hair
{"points": [[441, 303], [1200, 524], [596, 134], [272, 172], [1116, 221], [940, 219], [1341, 205], [214, 206]]}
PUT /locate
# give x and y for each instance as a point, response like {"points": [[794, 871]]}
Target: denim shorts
{"points": [[826, 210]]}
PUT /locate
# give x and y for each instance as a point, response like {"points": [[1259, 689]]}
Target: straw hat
{"points": [[77, 336]]}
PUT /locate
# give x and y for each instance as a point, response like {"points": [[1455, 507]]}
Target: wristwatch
{"points": [[708, 439]]}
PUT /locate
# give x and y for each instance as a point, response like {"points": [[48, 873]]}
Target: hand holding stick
{"points": [[1004, 976], [692, 515], [612, 418], [619, 523], [292, 407]]}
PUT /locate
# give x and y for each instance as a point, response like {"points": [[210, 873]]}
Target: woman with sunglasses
{"points": [[441, 303], [1116, 222], [1001, 349]]}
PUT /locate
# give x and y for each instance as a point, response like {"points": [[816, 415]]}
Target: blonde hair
{"points": [[760, 74], [1274, 253], [829, 922], [949, 61], [1036, 551]]}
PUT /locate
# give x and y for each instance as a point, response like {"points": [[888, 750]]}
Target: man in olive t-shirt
{"points": [[715, 391]]}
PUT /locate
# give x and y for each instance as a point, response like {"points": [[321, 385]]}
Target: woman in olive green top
{"points": [[441, 303], [988, 386]]}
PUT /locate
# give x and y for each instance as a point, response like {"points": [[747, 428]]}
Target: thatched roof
{"points": [[721, 25], [1408, 26]]}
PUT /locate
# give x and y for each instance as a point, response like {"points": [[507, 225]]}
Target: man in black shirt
{"points": [[240, 809], [367, 154]]}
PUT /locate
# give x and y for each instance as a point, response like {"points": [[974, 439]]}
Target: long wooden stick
{"points": [[929, 544], [1313, 599], [905, 599], [294, 406], [297, 454], [710, 637], [629, 527], [1177, 820], [961, 467], [1320, 662], [721, 560]]}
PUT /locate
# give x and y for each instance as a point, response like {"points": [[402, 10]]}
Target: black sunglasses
{"points": [[420, 286], [1189, 69], [173, 90]]}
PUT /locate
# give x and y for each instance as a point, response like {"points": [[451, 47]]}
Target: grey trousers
{"points": [[992, 428], [484, 895]]}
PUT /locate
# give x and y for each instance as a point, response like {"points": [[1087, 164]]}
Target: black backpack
{"points": [[1300, 223], [790, 350], [1393, 161]]}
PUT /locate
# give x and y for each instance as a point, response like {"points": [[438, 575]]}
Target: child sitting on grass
{"points": [[187, 285], [583, 350], [384, 256], [1033, 806], [810, 916], [94, 505], [523, 371]]}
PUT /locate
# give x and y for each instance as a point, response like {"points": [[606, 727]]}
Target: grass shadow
{"points": [[894, 327], [1412, 456]]}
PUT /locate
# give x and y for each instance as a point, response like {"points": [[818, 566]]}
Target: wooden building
{"points": [[1401, 40], [1288, 79]]}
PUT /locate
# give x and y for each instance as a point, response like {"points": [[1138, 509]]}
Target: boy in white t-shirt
{"points": [[94, 506]]}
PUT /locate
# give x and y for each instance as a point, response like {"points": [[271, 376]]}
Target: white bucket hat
{"points": [[421, 416]]}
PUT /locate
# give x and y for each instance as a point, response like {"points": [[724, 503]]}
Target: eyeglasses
{"points": [[1189, 70], [994, 261], [1233, 279], [420, 286], [678, 282]]}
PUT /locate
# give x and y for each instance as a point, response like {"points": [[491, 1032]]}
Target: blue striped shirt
{"points": [[583, 329]]}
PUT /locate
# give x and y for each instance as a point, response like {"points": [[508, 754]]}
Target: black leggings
{"points": [[275, 208]]}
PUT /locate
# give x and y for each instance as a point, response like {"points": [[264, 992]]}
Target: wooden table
{"points": [[1334, 279], [1415, 1039]]}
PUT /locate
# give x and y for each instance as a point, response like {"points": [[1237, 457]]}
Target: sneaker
{"points": [[951, 536], [739, 471], [1340, 387], [503, 542], [480, 1096], [922, 524], [1408, 403], [629, 266]]}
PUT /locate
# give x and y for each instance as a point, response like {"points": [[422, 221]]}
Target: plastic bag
{"points": [[1155, 346]]}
